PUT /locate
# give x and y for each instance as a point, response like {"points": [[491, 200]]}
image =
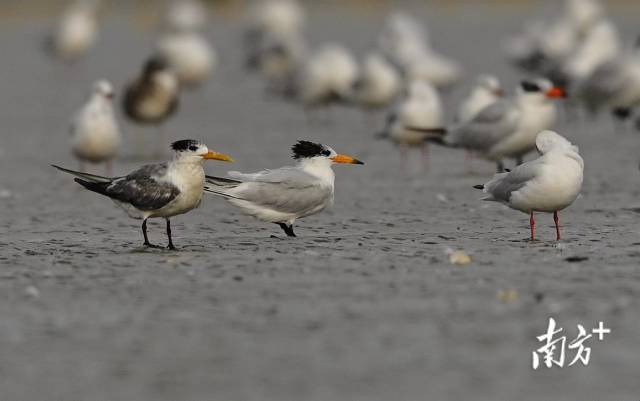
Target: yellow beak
{"points": [[345, 159], [211, 155]]}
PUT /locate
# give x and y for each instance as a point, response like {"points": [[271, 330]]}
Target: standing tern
{"points": [[548, 184], [286, 194], [95, 136], [157, 190], [422, 107], [507, 128]]}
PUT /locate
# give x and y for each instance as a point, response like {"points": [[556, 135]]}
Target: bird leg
{"points": [[108, 168], [532, 225], [288, 229], [556, 220], [468, 158], [146, 239], [424, 153], [170, 246], [500, 166], [403, 158]]}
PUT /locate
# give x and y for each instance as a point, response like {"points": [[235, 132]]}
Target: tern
{"points": [[548, 184], [95, 136], [157, 190], [283, 195], [507, 128], [76, 31]]}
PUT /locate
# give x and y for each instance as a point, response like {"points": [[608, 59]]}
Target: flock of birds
{"points": [[578, 52]]}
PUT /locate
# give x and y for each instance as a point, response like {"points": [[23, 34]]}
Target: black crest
{"points": [[529, 86], [185, 144], [308, 149]]}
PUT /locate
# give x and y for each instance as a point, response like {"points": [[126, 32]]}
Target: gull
{"points": [[285, 194], [185, 16], [189, 55], [505, 129], [614, 85], [403, 39], [95, 136], [77, 30], [328, 76], [157, 190], [378, 83], [280, 17], [422, 107], [547, 184], [486, 91]]}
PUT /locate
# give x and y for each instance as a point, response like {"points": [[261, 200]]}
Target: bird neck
{"points": [[318, 167]]}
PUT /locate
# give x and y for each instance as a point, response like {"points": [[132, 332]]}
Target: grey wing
{"points": [[603, 84], [286, 190], [142, 189], [489, 126], [504, 184]]}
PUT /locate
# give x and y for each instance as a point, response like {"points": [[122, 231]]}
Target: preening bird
{"points": [[548, 184], [157, 190], [95, 136], [283, 195], [152, 97]]}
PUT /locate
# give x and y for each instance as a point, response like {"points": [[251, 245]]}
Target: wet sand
{"points": [[363, 305]]}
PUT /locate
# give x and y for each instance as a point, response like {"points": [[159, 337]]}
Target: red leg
{"points": [[424, 151], [403, 158], [467, 161], [556, 219], [532, 224]]}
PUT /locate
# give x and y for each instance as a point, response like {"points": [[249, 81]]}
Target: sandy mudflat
{"points": [[363, 305]]}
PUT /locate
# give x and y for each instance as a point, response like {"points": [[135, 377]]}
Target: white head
{"points": [[490, 83], [306, 152], [550, 140], [103, 88], [190, 150]]}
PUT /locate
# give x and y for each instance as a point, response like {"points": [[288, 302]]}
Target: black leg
{"points": [[288, 229], [519, 160], [170, 246], [144, 233], [500, 166]]}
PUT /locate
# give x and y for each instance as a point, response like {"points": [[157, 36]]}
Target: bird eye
{"points": [[326, 153], [193, 148]]}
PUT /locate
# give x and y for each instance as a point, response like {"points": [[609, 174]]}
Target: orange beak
{"points": [[211, 155], [345, 159], [555, 93]]}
